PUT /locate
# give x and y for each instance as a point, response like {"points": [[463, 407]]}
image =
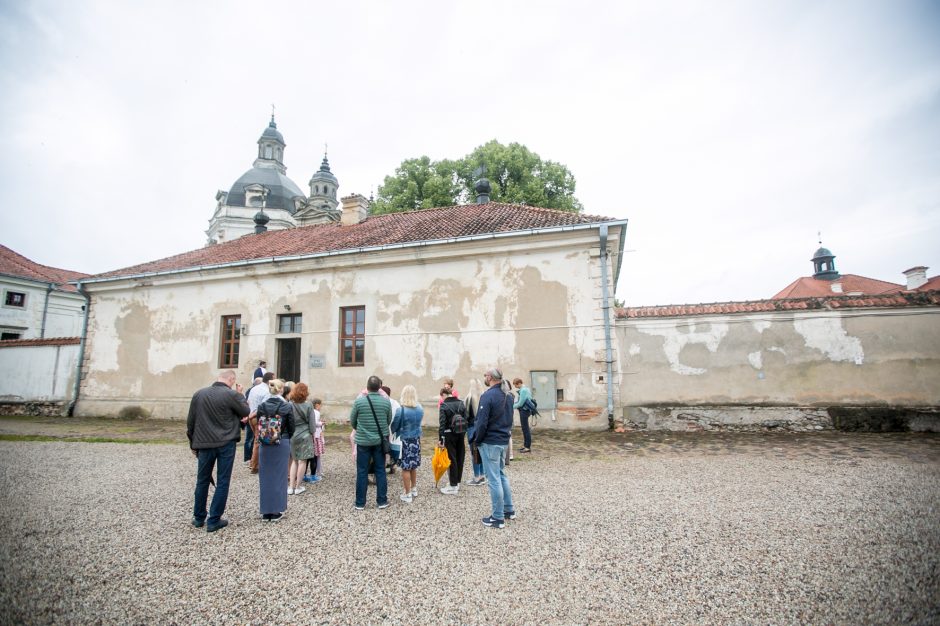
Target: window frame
{"points": [[10, 292], [354, 336], [232, 339], [296, 323]]}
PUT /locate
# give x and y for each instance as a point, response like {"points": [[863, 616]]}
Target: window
{"points": [[352, 335], [289, 323], [231, 336], [6, 336], [15, 298]]}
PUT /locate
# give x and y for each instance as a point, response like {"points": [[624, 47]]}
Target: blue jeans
{"points": [[249, 442], [223, 458], [494, 466], [365, 454], [526, 431]]}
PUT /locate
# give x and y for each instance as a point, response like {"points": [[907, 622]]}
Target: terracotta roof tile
{"points": [[378, 230], [809, 287], [54, 341], [931, 284], [900, 299], [15, 264]]}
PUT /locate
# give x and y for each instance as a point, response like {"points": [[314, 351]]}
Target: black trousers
{"points": [[456, 450]]}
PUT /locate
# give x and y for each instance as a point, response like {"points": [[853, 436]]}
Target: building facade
{"points": [[37, 300], [412, 297]]}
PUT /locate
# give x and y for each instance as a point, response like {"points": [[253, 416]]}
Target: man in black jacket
{"points": [[213, 429]]}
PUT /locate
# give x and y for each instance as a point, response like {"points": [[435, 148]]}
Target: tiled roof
{"points": [[809, 287], [931, 284], [893, 300], [54, 341], [14, 264], [379, 230]]}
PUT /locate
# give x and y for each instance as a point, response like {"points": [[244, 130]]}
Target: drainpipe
{"points": [[605, 256], [81, 348], [45, 310]]}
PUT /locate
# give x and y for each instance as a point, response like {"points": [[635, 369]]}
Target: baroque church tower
{"points": [[264, 196]]}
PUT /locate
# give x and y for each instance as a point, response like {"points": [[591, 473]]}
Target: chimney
{"points": [[916, 277], [355, 209]]}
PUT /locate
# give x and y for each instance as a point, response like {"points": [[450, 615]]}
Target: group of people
{"points": [[284, 441]]}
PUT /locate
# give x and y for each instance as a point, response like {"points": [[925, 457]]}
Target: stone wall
{"points": [[781, 369]]}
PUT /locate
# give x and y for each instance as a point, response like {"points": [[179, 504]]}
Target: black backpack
{"points": [[458, 420]]}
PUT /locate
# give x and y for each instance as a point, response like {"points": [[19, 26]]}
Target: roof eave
{"points": [[348, 251]]}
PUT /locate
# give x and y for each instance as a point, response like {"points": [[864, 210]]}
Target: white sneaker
{"points": [[299, 490], [405, 497], [414, 492], [290, 491], [448, 490]]}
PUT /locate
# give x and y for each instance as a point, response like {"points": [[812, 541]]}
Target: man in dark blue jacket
{"points": [[492, 428]]}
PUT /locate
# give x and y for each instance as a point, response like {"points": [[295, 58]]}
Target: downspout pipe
{"points": [[605, 257], [81, 348], [45, 311]]}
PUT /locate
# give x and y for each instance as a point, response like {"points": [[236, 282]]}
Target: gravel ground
{"points": [[99, 533]]}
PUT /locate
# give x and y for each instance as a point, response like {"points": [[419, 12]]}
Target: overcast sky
{"points": [[728, 133]]}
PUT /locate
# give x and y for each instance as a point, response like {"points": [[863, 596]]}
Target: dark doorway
{"points": [[288, 359]]}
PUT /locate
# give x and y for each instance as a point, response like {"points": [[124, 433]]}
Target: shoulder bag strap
{"points": [[375, 418]]}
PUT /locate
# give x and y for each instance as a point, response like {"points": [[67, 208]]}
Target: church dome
{"points": [[281, 189], [324, 174]]}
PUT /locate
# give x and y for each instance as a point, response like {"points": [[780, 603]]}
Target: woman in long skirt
{"points": [[274, 459]]}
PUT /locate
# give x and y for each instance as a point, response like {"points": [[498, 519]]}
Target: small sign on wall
{"points": [[317, 361]]}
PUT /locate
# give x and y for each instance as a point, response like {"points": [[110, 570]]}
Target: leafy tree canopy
{"points": [[516, 174]]}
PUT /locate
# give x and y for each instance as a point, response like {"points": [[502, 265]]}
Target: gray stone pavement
{"points": [[613, 528]]}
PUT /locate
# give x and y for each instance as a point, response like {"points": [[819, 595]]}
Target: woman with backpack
{"points": [[275, 428], [522, 403], [452, 427]]}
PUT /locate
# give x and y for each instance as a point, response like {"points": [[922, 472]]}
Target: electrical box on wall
{"points": [[544, 389]]}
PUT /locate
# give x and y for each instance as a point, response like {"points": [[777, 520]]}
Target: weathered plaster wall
{"points": [[37, 373], [815, 360], [430, 313]]}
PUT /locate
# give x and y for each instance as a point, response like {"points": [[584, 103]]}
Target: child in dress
{"points": [[314, 470]]}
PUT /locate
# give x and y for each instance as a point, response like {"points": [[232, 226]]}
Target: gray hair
{"points": [[494, 373]]}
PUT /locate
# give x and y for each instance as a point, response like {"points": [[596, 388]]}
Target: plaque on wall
{"points": [[317, 361]]}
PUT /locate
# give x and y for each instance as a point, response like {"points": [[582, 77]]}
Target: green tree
{"points": [[418, 184], [516, 174]]}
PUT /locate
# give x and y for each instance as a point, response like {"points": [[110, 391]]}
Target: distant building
{"points": [[827, 281], [829, 351], [264, 194], [38, 302]]}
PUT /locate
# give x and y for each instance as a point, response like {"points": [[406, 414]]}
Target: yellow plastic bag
{"points": [[439, 462]]}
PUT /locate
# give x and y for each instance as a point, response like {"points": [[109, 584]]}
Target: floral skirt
{"points": [[410, 453]]}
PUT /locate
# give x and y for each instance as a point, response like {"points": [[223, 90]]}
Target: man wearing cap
{"points": [[493, 425]]}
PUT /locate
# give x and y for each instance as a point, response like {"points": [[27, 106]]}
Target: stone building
{"points": [[265, 192], [38, 301], [414, 297]]}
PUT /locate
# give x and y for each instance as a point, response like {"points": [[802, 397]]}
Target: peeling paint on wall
{"points": [[829, 337], [675, 338], [634, 349], [760, 325], [754, 358]]}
